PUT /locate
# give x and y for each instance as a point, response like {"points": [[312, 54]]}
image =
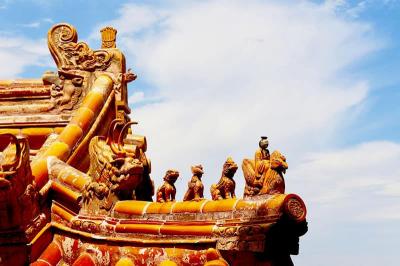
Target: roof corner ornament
{"points": [[87, 177], [108, 37], [69, 54]]}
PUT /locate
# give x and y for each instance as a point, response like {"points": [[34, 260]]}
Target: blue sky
{"points": [[320, 78], [381, 70]]}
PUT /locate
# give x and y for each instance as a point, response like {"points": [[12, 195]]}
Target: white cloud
{"points": [[335, 4], [366, 175], [353, 200], [48, 20], [356, 10], [136, 97], [17, 53], [392, 188], [38, 23], [35, 24], [231, 71], [4, 4]]}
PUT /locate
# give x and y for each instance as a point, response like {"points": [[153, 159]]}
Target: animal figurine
{"points": [[273, 181], [225, 188], [167, 191], [195, 185]]}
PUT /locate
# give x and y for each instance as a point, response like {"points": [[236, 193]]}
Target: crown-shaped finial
{"points": [[108, 37]]}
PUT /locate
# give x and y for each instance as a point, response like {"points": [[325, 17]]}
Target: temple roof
{"points": [[75, 183]]}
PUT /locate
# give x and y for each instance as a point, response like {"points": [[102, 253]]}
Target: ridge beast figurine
{"points": [[225, 188], [167, 191], [195, 186]]}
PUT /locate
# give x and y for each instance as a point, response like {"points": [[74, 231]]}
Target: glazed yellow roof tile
{"points": [[84, 116], [133, 207]]}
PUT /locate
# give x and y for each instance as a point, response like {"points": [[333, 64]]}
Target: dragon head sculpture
{"points": [[111, 164]]}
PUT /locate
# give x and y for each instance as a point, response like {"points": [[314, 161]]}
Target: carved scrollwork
{"points": [[68, 54], [296, 209], [240, 238], [238, 231], [86, 226]]}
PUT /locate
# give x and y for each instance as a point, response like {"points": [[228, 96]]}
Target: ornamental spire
{"points": [[108, 37]]}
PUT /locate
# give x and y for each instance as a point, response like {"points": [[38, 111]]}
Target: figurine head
{"points": [[263, 142], [278, 162], [126, 172], [197, 170], [171, 176], [229, 168]]}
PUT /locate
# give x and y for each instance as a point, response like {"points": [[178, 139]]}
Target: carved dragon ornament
{"points": [[70, 54], [116, 170]]}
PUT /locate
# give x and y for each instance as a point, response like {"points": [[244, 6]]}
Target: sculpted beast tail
{"points": [[187, 196]]}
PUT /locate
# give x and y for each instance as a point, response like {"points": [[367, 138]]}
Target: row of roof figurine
{"points": [[263, 175]]}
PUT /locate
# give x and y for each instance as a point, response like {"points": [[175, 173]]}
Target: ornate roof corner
{"points": [[76, 184], [69, 54]]}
